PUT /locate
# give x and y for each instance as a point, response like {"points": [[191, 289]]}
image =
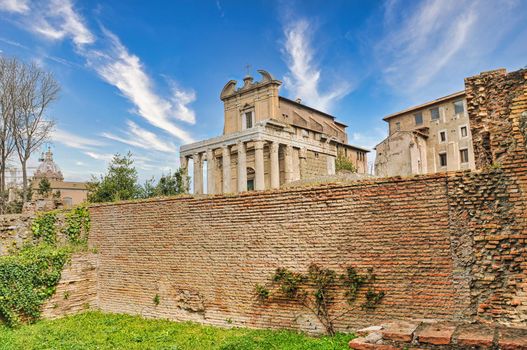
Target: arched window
{"points": [[250, 179]]}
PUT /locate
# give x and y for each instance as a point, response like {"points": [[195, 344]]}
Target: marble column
{"points": [[226, 166], [183, 164], [259, 181], [242, 167], [211, 164], [274, 165], [288, 163], [198, 173]]}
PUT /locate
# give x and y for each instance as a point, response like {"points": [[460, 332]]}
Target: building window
{"points": [[459, 107], [248, 120], [418, 118], [442, 136], [434, 113], [463, 155], [442, 159], [463, 130], [397, 126]]}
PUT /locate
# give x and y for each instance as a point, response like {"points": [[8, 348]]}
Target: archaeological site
{"points": [[448, 250]]}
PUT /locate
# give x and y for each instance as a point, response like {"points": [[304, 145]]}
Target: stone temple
{"points": [[268, 140]]}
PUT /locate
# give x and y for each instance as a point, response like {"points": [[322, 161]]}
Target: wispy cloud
{"points": [[125, 71], [75, 141], [99, 156], [304, 74], [113, 62], [57, 20], [139, 137], [438, 37], [16, 6]]}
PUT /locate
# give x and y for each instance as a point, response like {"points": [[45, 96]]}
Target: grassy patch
{"points": [[95, 330]]}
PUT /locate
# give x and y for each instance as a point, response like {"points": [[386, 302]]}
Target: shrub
{"points": [[343, 163]]}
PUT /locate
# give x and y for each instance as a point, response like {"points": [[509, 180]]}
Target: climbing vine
{"points": [[77, 224], [43, 227], [317, 289], [27, 279]]}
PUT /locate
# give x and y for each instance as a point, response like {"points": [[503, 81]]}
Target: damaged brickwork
{"points": [[494, 206]]}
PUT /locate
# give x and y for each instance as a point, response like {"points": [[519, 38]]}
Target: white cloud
{"points": [[303, 78], [74, 141], [424, 45], [16, 6], [126, 72], [57, 20], [111, 60], [99, 156], [139, 137]]}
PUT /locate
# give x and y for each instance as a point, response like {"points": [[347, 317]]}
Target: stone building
{"points": [[71, 193], [432, 137], [268, 140]]}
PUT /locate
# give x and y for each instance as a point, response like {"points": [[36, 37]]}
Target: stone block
{"points": [[400, 331], [436, 333], [476, 335], [512, 339]]}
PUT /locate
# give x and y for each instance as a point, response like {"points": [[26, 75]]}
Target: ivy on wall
{"points": [[317, 290], [77, 224], [29, 276], [43, 226], [27, 279]]}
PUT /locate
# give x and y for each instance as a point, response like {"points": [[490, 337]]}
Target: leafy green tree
{"points": [[148, 190], [44, 187], [172, 184], [119, 183]]}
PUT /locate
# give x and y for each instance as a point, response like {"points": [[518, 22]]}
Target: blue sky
{"points": [[145, 76]]}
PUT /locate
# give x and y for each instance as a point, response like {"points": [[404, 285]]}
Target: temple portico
{"points": [[261, 157]]}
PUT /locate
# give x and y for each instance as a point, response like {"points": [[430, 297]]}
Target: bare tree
{"points": [[37, 90], [8, 101]]}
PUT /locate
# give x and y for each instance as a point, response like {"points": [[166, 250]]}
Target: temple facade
{"points": [[268, 140]]}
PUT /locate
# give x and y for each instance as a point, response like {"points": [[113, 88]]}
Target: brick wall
{"points": [[203, 256], [443, 246], [77, 289]]}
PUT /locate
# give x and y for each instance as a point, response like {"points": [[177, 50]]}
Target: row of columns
{"points": [[259, 171]]}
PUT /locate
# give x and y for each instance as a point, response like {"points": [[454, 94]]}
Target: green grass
{"points": [[96, 330]]}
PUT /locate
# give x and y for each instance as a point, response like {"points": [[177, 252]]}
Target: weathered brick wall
{"points": [[443, 246], [77, 289], [203, 256], [15, 229]]}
